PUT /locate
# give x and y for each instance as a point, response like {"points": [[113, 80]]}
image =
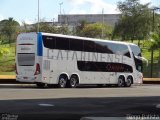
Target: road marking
{"points": [[46, 105], [158, 106]]}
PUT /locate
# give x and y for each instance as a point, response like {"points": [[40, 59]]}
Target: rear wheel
{"points": [[62, 82], [40, 85], [73, 82], [128, 82], [121, 82]]}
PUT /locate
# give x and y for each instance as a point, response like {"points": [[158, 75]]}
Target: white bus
{"points": [[68, 61]]}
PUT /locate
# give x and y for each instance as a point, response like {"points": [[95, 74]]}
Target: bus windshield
{"points": [[136, 50], [137, 57]]}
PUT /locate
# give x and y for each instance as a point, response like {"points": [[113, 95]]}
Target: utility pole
{"points": [[38, 18], [102, 23], [60, 12]]}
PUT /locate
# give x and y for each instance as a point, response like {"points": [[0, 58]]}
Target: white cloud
{"points": [[28, 21], [1, 17], [145, 1], [94, 7]]}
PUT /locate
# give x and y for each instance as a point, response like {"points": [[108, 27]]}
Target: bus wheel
{"points": [[40, 85], [128, 82], [73, 82], [62, 82], [121, 82]]}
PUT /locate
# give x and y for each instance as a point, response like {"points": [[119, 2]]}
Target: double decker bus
{"points": [[69, 61]]}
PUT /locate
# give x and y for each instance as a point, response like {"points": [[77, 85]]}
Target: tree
{"points": [[153, 44], [9, 28], [94, 30], [80, 27], [135, 22]]}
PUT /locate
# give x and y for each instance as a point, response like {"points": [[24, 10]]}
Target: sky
{"points": [[27, 10]]}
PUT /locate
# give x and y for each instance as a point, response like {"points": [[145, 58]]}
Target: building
{"points": [[74, 19]]}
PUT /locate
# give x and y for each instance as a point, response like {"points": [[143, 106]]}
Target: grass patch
{"points": [[7, 62]]}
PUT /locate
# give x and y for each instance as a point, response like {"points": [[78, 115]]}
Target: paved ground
{"points": [[26, 102]]}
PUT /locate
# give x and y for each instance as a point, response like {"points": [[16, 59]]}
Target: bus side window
{"points": [[62, 43], [89, 46], [49, 42], [76, 45]]}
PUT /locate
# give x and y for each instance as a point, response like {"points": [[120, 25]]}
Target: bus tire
{"points": [[121, 81], [62, 81], [40, 85], [73, 82], [129, 82]]}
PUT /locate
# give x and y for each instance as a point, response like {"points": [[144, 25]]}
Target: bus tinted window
{"points": [[119, 49], [62, 43], [101, 47], [76, 45], [49, 42], [89, 46], [103, 67]]}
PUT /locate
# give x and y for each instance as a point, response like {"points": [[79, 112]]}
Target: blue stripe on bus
{"points": [[39, 45]]}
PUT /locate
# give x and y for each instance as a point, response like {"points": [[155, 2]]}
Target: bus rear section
{"points": [[27, 68]]}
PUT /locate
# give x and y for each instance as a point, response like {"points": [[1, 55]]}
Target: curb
{"points": [[12, 79]]}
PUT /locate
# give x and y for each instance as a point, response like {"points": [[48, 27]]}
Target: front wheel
{"points": [[128, 82]]}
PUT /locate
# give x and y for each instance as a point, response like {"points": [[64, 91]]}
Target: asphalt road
{"points": [[26, 102]]}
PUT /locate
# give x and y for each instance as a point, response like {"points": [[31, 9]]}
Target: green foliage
{"points": [[7, 59], [9, 29], [80, 27], [94, 30], [153, 42], [4, 51], [135, 22]]}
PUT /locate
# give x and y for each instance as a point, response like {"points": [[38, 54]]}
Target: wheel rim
{"points": [[62, 82], [120, 82], [129, 82], [73, 82]]}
